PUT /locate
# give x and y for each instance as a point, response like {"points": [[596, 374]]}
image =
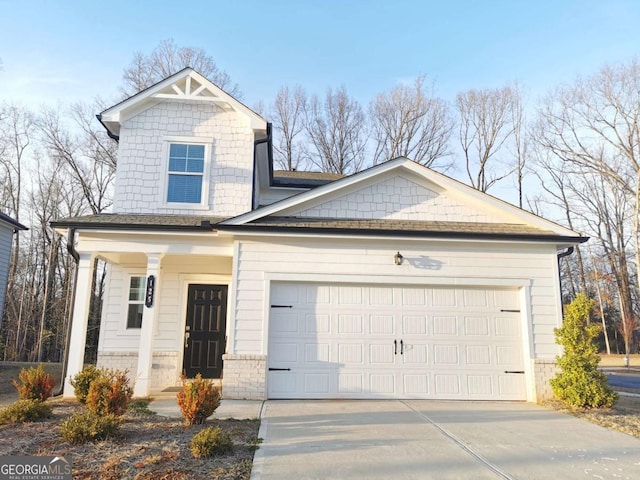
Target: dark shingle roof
{"points": [[285, 178], [400, 225], [311, 225], [147, 222]]}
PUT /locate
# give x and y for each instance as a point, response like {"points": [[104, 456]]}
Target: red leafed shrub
{"points": [[109, 393], [35, 384], [198, 399]]}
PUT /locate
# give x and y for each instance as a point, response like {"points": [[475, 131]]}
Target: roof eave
{"points": [[538, 238], [132, 226]]}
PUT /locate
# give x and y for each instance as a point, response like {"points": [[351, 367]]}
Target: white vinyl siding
{"points": [[426, 263], [169, 336]]}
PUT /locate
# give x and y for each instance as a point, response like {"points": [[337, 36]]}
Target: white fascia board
{"points": [[238, 234], [315, 193]]}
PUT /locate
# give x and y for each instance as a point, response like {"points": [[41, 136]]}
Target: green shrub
{"points": [[198, 399], [89, 427], [109, 393], [82, 381], [24, 411], [579, 383], [35, 384], [210, 442]]}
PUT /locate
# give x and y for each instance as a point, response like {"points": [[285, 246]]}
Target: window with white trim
{"points": [[185, 173], [135, 305]]}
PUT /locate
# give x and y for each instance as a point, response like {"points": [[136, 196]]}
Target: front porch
{"points": [[150, 304]]}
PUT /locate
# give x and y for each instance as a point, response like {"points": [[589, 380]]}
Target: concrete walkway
{"points": [[436, 440]]}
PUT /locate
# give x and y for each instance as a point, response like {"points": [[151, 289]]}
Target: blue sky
{"points": [[55, 51]]}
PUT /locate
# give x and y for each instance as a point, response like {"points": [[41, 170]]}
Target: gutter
{"points": [[109, 132], [567, 252], [65, 356], [395, 233]]}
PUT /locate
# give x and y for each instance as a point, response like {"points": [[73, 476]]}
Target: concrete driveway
{"points": [[345, 439]]}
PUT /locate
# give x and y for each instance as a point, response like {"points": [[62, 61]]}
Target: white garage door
{"points": [[366, 341]]}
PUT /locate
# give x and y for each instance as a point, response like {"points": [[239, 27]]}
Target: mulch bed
{"points": [[148, 447]]}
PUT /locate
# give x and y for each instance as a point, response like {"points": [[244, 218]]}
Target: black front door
{"points": [[205, 331]]}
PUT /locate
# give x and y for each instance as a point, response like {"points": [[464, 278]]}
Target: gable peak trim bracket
{"points": [[185, 85]]}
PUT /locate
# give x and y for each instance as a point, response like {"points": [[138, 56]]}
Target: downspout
{"points": [[65, 356], [560, 255], [269, 142]]}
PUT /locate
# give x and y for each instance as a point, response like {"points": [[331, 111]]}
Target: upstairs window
{"points": [[186, 172], [136, 302]]}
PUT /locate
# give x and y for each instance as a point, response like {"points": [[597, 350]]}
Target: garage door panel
{"points": [[381, 354], [475, 298], [479, 385], [414, 324], [350, 324], [285, 323], [382, 384], [447, 384], [362, 341], [284, 353], [350, 383], [381, 324], [445, 355], [351, 354], [416, 385], [415, 354], [444, 298], [478, 355], [447, 326], [317, 383], [476, 326], [317, 353]]}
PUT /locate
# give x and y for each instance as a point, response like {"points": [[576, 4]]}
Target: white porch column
{"points": [[142, 386], [78, 340]]}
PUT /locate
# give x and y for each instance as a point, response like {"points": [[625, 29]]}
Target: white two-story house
{"points": [[395, 282]]}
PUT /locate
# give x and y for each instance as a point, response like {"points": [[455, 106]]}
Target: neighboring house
{"points": [[395, 282], [8, 227]]}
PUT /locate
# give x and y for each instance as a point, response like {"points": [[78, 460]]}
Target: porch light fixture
{"points": [[397, 258]]}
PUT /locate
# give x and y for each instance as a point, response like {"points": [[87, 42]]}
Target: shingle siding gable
{"points": [[397, 198]]}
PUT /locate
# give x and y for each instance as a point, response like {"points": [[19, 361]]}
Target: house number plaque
{"points": [[151, 285]]}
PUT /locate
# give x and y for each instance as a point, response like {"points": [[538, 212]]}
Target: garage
{"points": [[387, 341]]}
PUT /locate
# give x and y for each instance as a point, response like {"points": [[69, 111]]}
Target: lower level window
{"points": [[136, 302]]}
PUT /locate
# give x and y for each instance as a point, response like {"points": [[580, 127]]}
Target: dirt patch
{"points": [[623, 417], [148, 447]]}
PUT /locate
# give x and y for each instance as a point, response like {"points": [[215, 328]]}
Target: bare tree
{"points": [[410, 121], [336, 132], [88, 158], [165, 60], [593, 125], [486, 125], [288, 121]]}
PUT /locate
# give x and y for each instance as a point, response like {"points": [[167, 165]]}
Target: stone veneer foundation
{"points": [[244, 376], [164, 369]]}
